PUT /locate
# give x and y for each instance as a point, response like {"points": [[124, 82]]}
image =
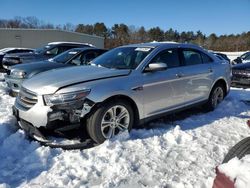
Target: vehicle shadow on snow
{"points": [[234, 105], [187, 119]]}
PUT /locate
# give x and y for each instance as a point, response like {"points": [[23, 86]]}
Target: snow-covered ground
{"points": [[178, 154]]}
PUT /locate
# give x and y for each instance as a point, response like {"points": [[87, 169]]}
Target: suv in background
{"points": [[241, 75], [122, 88], [244, 58], [46, 52], [72, 57], [5, 51]]}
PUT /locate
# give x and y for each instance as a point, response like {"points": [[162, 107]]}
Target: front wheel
{"points": [[216, 97], [109, 120]]}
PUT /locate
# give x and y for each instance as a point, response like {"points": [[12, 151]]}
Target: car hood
{"points": [[37, 67], [27, 57], [242, 66], [50, 81]]}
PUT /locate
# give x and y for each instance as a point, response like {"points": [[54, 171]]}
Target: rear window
{"points": [[192, 57], [206, 58]]}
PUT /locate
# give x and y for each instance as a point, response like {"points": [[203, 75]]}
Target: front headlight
{"points": [[63, 98], [18, 74]]}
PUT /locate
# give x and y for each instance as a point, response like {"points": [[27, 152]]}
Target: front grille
{"points": [[26, 98]]}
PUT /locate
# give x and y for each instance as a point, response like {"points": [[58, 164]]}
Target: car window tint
{"points": [[192, 57], [206, 58], [53, 51], [169, 57], [87, 57], [247, 57], [243, 56], [63, 49], [123, 57]]}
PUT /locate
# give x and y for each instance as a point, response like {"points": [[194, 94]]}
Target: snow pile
{"points": [[181, 154], [238, 170]]}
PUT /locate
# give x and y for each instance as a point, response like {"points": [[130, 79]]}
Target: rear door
{"points": [[197, 73]]}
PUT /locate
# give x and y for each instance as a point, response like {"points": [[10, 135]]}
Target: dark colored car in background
{"points": [[241, 75], [244, 58], [72, 57], [46, 52], [5, 51]]}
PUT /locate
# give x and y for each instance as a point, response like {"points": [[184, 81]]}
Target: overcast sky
{"points": [[209, 16]]}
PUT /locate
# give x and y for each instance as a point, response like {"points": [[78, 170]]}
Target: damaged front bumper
{"points": [[37, 117], [39, 136]]}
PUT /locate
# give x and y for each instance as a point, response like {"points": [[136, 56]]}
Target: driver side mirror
{"points": [[153, 67]]}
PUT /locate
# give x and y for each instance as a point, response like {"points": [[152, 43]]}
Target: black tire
{"points": [[241, 149], [95, 119], [210, 106]]}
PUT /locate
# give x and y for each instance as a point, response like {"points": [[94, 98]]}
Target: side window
{"points": [[247, 57], [206, 58], [192, 57], [87, 57], [53, 51], [169, 57], [63, 49]]}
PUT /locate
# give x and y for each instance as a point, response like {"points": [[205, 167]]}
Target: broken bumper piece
{"points": [[63, 143]]}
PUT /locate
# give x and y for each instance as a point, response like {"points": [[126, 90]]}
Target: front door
{"points": [[162, 90]]}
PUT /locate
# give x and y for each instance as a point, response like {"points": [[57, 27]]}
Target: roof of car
{"points": [[62, 42], [86, 48], [15, 48], [164, 44]]}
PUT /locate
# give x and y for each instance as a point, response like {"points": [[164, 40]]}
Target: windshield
{"points": [[65, 56], [123, 57], [245, 55], [43, 49]]}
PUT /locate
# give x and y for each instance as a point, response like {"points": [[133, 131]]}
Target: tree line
{"points": [[121, 34]]}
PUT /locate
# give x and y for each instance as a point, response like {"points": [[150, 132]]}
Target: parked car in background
{"points": [[5, 51], [241, 75], [244, 58], [122, 88], [46, 52], [72, 57], [223, 56]]}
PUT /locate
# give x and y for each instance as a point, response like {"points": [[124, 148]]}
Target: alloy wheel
{"points": [[115, 120]]}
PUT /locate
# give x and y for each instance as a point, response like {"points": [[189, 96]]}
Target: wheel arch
{"points": [[118, 97], [131, 102], [222, 82]]}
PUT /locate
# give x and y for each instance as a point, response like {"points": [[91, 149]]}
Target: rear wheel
{"points": [[216, 97], [109, 120]]}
